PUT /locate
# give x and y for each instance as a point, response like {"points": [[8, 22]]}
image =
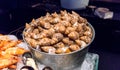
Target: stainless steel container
{"points": [[62, 61]]}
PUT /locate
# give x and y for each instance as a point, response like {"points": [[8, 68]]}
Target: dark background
{"points": [[15, 13]]}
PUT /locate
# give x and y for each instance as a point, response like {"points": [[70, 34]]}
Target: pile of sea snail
{"points": [[58, 33]]}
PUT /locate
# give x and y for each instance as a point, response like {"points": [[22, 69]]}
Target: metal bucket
{"points": [[67, 61]]}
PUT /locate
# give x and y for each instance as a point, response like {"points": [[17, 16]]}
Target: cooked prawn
{"points": [[8, 44], [5, 62], [9, 52], [15, 51]]}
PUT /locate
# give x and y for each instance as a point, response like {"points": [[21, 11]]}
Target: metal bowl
{"points": [[67, 61]]}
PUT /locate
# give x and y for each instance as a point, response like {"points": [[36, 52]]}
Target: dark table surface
{"points": [[107, 38]]}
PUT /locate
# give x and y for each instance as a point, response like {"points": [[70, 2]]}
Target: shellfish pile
{"points": [[58, 33]]}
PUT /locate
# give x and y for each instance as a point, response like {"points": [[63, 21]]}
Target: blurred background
{"points": [[10, 7], [15, 13]]}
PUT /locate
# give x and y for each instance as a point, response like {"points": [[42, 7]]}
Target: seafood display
{"points": [[58, 33], [9, 51]]}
